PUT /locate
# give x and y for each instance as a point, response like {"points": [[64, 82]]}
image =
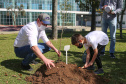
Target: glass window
{"points": [[35, 6], [123, 22]]}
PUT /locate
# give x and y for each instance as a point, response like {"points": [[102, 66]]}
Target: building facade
{"points": [[32, 8]]}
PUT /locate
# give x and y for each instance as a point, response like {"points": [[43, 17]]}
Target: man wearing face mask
{"points": [[26, 43], [94, 42]]}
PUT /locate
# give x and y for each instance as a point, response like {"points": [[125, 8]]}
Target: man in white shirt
{"points": [[26, 43], [94, 42]]}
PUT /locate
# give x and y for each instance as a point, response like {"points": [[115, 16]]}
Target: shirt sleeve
{"points": [[32, 37], [119, 6], [94, 45], [86, 46], [44, 36]]}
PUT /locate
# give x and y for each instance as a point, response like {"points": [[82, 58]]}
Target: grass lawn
{"points": [[11, 73]]}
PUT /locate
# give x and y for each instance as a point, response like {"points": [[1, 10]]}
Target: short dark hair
{"points": [[75, 38]]}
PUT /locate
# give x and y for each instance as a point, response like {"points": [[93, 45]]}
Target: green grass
{"points": [[115, 69]]}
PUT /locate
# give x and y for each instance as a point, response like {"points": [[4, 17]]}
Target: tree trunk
{"points": [[121, 20], [93, 17], [121, 24], [117, 20], [54, 19], [121, 31]]}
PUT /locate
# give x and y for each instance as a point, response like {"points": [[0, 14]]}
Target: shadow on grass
{"points": [[14, 64], [8, 37], [3, 38], [115, 68], [118, 39], [73, 57], [68, 34]]}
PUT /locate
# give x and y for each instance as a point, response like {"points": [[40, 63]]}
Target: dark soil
{"points": [[64, 74], [10, 28]]}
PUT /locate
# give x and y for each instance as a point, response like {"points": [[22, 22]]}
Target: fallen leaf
{"points": [[6, 74], [6, 81], [14, 76], [19, 78], [20, 75]]}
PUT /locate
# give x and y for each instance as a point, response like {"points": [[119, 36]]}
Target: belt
{"points": [[16, 47]]}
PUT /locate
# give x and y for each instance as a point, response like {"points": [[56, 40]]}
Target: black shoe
{"points": [[112, 55], [91, 67], [99, 72], [26, 67], [33, 62], [102, 54]]}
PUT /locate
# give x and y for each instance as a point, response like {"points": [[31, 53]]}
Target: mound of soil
{"points": [[64, 74]]}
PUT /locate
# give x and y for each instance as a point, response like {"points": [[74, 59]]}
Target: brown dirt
{"points": [[9, 28], [64, 74]]}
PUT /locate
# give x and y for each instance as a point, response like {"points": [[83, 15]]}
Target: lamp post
{"points": [[85, 22], [81, 19]]}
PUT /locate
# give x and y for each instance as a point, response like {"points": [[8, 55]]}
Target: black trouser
{"points": [[97, 60]]}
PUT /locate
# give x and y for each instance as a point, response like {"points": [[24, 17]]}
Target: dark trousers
{"points": [[97, 60]]}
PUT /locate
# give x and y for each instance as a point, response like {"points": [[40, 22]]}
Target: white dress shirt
{"points": [[30, 35], [94, 38]]}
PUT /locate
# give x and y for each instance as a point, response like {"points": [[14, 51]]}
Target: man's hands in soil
{"points": [[59, 53], [87, 65], [49, 63]]}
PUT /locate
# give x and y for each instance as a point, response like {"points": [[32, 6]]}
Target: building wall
{"points": [[124, 20], [34, 7]]}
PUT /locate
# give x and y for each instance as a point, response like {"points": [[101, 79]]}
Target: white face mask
{"points": [[42, 27]]}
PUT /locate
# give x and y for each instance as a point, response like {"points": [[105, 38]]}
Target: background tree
{"points": [[86, 5], [54, 19], [120, 18], [64, 7], [100, 12], [15, 11]]}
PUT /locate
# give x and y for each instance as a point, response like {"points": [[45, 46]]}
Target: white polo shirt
{"points": [[94, 38], [29, 35]]}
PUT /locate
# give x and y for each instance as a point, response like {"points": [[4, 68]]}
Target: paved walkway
{"points": [[68, 28]]}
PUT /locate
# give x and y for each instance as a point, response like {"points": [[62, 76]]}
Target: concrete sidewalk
{"points": [[67, 28], [9, 32]]}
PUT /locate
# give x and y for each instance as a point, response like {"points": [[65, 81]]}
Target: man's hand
{"points": [[49, 63], [49, 44], [39, 54], [59, 53], [86, 66], [90, 64]]}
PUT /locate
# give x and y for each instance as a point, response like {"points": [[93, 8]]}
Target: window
{"points": [[123, 22]]}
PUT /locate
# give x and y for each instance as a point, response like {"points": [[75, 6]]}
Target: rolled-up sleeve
{"points": [[44, 36]]}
